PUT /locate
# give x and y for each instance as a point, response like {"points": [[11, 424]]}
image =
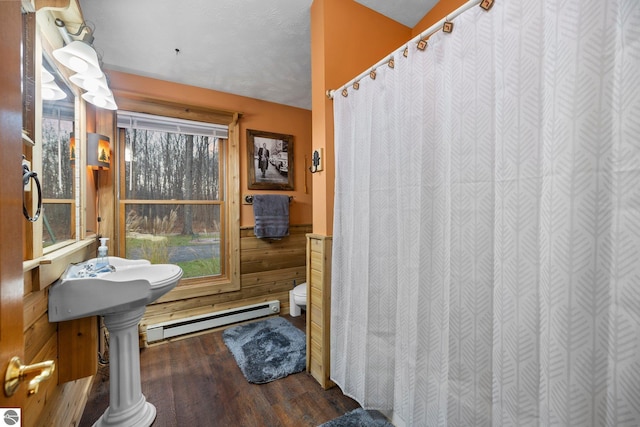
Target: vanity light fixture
{"points": [[100, 100], [90, 84], [98, 92], [81, 57], [46, 76], [50, 90]]}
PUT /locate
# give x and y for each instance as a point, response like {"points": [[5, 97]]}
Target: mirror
{"points": [[57, 175]]}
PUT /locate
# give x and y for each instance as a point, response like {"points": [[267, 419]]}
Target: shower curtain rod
{"points": [[429, 32]]}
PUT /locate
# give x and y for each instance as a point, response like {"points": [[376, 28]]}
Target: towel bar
{"points": [[248, 199]]}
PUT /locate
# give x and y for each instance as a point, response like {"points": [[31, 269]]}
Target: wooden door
{"points": [[11, 221]]}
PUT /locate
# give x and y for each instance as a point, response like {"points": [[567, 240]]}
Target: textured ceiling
{"points": [[254, 48], [407, 12]]}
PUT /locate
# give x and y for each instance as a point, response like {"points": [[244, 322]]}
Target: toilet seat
{"points": [[297, 299], [300, 292]]}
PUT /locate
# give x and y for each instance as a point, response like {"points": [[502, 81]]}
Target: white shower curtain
{"points": [[486, 247]]}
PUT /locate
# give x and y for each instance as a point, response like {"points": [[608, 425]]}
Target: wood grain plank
{"points": [[37, 336], [34, 306], [77, 348]]}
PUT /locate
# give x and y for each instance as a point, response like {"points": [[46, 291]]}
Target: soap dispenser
{"points": [[103, 259]]}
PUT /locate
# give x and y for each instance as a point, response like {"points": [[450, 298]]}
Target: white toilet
{"points": [[298, 299]]}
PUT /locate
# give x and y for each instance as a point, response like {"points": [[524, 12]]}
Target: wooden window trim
{"points": [[230, 281], [129, 101]]}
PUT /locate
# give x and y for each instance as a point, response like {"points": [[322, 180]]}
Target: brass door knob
{"points": [[17, 372]]}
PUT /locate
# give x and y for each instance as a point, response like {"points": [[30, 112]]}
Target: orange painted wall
{"points": [[256, 114], [346, 39]]}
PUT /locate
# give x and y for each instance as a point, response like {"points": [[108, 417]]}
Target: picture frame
{"points": [[269, 160]]}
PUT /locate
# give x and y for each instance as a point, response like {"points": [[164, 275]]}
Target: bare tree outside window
{"points": [[57, 172], [172, 200]]}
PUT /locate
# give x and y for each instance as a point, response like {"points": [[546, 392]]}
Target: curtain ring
{"points": [[486, 4], [447, 27]]}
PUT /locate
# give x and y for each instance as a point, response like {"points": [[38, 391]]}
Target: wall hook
{"points": [[315, 159]]}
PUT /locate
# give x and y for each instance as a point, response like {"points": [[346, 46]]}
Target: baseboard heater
{"points": [[174, 328]]}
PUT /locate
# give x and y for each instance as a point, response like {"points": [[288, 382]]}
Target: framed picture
{"points": [[269, 160]]}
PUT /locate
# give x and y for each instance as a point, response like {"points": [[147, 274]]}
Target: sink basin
{"points": [[134, 283], [121, 263]]}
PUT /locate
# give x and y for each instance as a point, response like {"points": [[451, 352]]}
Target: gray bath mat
{"points": [[359, 418], [267, 350]]}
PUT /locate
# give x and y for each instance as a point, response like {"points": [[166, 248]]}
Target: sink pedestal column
{"points": [[127, 405]]}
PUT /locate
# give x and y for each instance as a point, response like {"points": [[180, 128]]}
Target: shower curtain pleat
{"points": [[486, 247]]}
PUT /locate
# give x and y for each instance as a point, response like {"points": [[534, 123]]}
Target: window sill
{"points": [[49, 250], [52, 265]]}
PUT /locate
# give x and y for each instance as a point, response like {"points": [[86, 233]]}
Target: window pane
{"points": [[56, 220], [56, 177], [164, 166], [186, 235], [57, 173]]}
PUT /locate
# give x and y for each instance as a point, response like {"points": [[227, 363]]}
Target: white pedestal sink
{"points": [[121, 297]]}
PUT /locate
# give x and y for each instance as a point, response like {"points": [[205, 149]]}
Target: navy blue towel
{"points": [[271, 214]]}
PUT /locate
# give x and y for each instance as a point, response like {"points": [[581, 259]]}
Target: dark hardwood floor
{"points": [[196, 382]]}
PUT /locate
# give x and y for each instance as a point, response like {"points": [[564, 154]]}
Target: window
{"points": [[173, 192], [58, 118]]}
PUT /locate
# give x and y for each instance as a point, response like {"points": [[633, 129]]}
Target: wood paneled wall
{"points": [[269, 270], [72, 345], [319, 308]]}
